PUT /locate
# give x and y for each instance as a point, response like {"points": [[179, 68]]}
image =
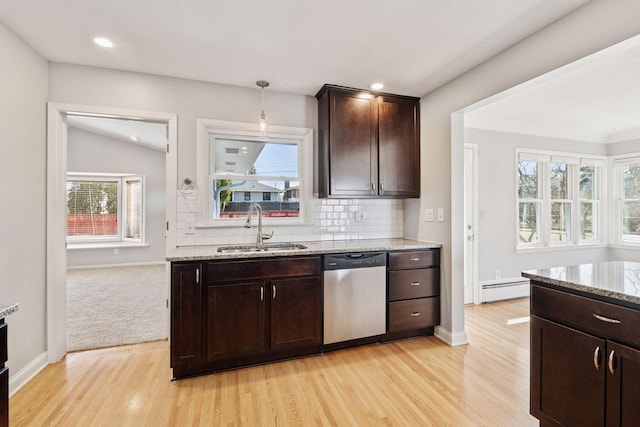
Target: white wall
{"points": [[496, 230], [594, 26], [23, 89], [91, 152], [191, 100]]}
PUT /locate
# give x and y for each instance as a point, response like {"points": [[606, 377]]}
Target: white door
{"points": [[470, 214]]}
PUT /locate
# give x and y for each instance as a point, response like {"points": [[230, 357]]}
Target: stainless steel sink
{"points": [[272, 247]]}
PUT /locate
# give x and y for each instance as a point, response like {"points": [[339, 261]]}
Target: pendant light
{"points": [[262, 119]]}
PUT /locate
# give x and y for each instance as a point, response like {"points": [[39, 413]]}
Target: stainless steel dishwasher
{"points": [[354, 296]]}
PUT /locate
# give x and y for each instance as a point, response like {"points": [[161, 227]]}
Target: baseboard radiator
{"points": [[504, 289]]}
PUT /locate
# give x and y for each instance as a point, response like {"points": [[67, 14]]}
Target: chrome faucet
{"points": [[261, 236]]}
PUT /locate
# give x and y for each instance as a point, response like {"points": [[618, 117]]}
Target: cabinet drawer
{"points": [[414, 259], [226, 271], [407, 284], [414, 314], [581, 312]]}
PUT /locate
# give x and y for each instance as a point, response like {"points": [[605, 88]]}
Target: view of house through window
{"points": [[104, 208], [245, 171]]}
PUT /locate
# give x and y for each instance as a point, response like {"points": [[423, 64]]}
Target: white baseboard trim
{"points": [[27, 373], [453, 339]]}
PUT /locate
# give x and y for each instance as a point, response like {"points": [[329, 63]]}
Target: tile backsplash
{"points": [[330, 219]]}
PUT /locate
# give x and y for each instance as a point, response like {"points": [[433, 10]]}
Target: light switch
{"points": [[440, 215], [428, 215]]}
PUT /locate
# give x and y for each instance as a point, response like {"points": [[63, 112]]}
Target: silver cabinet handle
{"points": [[261, 293], [415, 283], [415, 314], [274, 291], [197, 276], [612, 359], [606, 319], [381, 187], [596, 358], [373, 186], [415, 259]]}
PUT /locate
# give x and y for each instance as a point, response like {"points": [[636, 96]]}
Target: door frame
{"points": [[475, 287], [56, 270]]}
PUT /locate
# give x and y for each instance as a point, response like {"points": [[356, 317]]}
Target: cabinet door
{"points": [[399, 147], [186, 314], [567, 375], [623, 390], [296, 313], [353, 155], [235, 320]]}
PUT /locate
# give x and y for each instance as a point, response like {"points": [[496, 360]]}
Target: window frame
{"points": [[574, 162], [303, 137], [120, 180], [617, 165]]}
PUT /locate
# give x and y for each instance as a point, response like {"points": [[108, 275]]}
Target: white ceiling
{"points": [[413, 46], [596, 99], [150, 135]]}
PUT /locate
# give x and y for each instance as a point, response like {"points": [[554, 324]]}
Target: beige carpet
{"points": [[114, 306]]}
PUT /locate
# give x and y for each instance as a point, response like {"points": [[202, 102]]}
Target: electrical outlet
{"points": [[428, 215], [440, 215], [358, 216], [116, 251], [498, 274], [190, 227]]}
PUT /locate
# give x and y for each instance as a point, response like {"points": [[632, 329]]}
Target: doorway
{"points": [[471, 293], [115, 231], [57, 168]]}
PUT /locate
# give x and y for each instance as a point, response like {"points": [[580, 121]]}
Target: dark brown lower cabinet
{"points": [[235, 320], [580, 374], [246, 312], [296, 313]]}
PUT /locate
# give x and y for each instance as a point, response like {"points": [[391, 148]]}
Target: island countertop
{"points": [[199, 253], [614, 281], [7, 309]]}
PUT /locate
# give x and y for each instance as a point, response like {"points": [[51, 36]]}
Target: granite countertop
{"points": [[7, 309], [615, 281], [198, 253]]}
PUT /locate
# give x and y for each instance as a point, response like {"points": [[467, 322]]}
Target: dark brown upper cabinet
{"points": [[368, 144]]}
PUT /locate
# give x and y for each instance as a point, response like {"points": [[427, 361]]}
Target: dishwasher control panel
{"points": [[354, 260]]}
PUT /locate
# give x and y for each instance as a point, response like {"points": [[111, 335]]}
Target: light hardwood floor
{"points": [[417, 382]]}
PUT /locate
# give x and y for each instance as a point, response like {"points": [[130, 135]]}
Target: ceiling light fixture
{"points": [[101, 41], [376, 86], [262, 119], [134, 138]]}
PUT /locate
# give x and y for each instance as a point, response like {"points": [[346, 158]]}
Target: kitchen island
{"points": [[5, 310], [585, 344]]}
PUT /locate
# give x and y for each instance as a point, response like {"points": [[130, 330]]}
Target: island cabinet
{"points": [[413, 293], [256, 311], [585, 360], [369, 144]]}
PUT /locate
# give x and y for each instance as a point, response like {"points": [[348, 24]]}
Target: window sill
{"points": [[561, 248], [229, 223], [629, 246], [104, 245]]}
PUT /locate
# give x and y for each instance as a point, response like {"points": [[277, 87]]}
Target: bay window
{"points": [[558, 199]]}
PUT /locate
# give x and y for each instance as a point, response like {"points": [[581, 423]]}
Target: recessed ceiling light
{"points": [[101, 41], [134, 138], [376, 86]]}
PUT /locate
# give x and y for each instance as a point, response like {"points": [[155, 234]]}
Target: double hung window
{"points": [[241, 166], [627, 173], [558, 199]]}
